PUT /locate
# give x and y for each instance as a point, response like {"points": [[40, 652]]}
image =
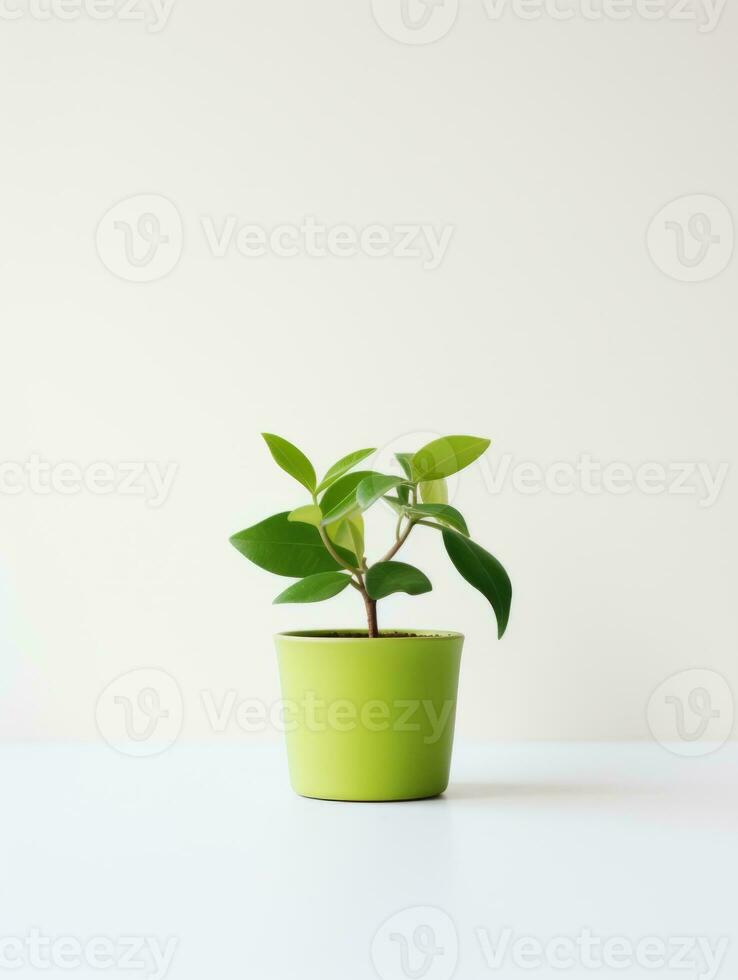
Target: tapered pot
{"points": [[369, 719]]}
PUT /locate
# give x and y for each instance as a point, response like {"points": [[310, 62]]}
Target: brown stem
{"points": [[371, 614], [371, 604]]}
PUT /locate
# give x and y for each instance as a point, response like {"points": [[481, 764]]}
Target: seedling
{"points": [[321, 542]]}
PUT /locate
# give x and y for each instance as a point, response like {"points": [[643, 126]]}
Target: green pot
{"points": [[369, 719]]}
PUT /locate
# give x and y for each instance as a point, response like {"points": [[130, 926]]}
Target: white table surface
{"points": [[208, 845]]}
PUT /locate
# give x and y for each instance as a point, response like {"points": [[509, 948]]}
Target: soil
{"points": [[362, 634]]}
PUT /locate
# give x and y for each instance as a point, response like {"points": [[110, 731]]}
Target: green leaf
{"points": [[347, 531], [356, 530], [344, 464], [397, 505], [340, 498], [434, 492], [406, 462], [309, 514], [375, 486], [315, 588], [443, 513], [484, 572], [387, 577], [291, 460], [443, 457], [285, 547]]}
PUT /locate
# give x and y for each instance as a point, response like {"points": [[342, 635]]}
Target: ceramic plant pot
{"points": [[369, 719]]}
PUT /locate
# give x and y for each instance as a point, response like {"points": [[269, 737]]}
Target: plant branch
{"points": [[357, 580], [399, 542], [332, 551], [329, 547]]}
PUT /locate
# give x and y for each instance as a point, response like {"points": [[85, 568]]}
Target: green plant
{"points": [[322, 542]]}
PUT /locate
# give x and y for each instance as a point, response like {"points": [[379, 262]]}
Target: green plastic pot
{"points": [[369, 719]]}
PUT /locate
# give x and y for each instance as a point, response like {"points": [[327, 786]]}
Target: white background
{"points": [[549, 147]]}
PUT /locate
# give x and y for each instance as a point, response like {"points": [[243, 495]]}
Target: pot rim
{"points": [[326, 635]]}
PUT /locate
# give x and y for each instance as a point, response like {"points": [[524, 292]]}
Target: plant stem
{"points": [[358, 578], [399, 542], [331, 550], [358, 583], [371, 614], [370, 605]]}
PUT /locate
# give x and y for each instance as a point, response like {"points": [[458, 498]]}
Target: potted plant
{"points": [[369, 714]]}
